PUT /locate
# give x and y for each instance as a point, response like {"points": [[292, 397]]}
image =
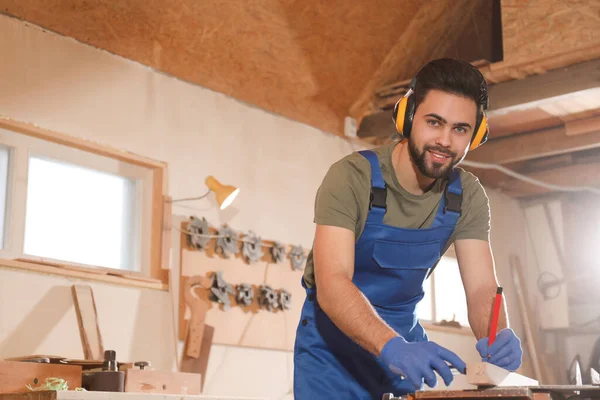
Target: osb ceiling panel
{"points": [[548, 27], [307, 60]]}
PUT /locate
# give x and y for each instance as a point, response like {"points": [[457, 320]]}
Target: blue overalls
{"points": [[390, 267]]}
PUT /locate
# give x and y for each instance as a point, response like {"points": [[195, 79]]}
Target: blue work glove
{"points": [[417, 361], [505, 352]]}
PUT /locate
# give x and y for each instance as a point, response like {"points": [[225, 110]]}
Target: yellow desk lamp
{"points": [[225, 193]]}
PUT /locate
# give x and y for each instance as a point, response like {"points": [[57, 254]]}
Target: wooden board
{"points": [[15, 375], [249, 326], [504, 393], [89, 395], [199, 365], [149, 381], [87, 318], [486, 374]]}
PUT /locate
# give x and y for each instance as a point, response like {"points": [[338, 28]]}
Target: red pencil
{"points": [[495, 316]]}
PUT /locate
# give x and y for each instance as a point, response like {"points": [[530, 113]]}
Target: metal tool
{"points": [[285, 299], [252, 247], [278, 252], [268, 298], [245, 294], [227, 243], [198, 230], [298, 257], [221, 290]]}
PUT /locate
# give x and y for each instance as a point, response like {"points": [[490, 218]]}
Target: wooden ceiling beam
{"points": [[429, 35], [537, 89], [511, 96], [523, 83], [537, 144], [576, 175]]}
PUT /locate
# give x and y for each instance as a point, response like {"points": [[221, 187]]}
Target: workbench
{"points": [[83, 395], [557, 392]]}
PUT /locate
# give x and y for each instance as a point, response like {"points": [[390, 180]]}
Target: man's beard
{"points": [[434, 170]]}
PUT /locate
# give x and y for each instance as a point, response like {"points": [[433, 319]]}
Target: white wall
{"points": [[60, 84]]}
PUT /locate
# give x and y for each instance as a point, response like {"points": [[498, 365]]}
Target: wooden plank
{"points": [[15, 375], [198, 308], [486, 374], [37, 395], [81, 395], [502, 393], [520, 121], [167, 382], [199, 365], [405, 59], [582, 126], [87, 318]]}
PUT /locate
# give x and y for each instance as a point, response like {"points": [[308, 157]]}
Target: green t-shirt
{"points": [[343, 200]]}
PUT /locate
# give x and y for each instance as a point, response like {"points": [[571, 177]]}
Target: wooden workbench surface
{"points": [[82, 395]]}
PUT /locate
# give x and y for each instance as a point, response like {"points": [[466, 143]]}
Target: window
{"points": [[73, 204], [444, 295], [90, 215]]}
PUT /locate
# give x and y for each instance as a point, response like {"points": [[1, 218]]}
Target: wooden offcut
{"points": [[87, 318], [166, 382], [486, 374], [16, 375], [199, 365], [198, 308]]}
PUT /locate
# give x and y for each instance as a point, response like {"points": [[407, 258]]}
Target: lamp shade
{"points": [[225, 193]]}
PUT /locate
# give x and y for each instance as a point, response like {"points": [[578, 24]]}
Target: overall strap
{"points": [[377, 202], [451, 204]]}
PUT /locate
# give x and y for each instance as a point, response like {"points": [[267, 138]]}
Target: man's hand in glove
{"points": [[418, 361], [505, 352]]}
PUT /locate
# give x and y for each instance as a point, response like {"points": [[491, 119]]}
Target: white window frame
{"points": [[435, 322], [148, 259]]}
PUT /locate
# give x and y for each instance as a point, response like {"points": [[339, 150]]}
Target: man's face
{"points": [[441, 132]]}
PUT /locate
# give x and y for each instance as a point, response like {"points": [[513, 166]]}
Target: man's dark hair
{"points": [[452, 76]]}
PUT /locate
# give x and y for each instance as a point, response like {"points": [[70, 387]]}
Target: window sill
{"points": [[463, 330], [101, 275]]}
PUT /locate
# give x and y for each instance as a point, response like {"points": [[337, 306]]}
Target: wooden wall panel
{"points": [[250, 326]]}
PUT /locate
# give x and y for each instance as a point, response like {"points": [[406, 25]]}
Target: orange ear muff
{"points": [[400, 114], [481, 135], [403, 114]]}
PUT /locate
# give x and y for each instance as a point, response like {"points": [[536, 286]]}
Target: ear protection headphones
{"points": [[404, 112]]}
